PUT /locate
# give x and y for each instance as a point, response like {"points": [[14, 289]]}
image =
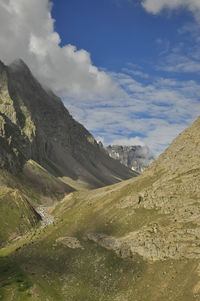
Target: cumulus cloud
{"points": [[156, 6], [27, 32]]}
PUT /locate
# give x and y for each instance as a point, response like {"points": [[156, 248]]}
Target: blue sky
{"points": [[129, 70], [117, 32], [123, 38]]}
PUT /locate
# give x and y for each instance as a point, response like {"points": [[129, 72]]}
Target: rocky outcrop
{"points": [[47, 219], [153, 243], [51, 136], [135, 157], [12, 146], [70, 242]]}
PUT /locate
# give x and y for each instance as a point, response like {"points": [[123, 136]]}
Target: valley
{"points": [[77, 225]]}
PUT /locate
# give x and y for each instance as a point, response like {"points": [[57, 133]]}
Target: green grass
{"points": [[61, 273], [13, 279], [39, 268], [16, 215], [54, 271]]}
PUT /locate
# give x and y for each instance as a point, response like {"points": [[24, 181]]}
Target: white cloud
{"points": [[164, 46], [128, 141], [177, 62], [156, 6], [164, 132], [115, 107], [144, 114], [27, 32], [136, 73], [184, 57]]}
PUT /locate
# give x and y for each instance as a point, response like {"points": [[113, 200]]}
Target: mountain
{"points": [[44, 153], [135, 240], [39, 127], [135, 157]]}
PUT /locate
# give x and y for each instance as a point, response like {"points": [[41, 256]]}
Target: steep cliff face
{"points": [[135, 157], [52, 137], [12, 146]]}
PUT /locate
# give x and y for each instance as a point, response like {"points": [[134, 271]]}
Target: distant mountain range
{"points": [[135, 157]]}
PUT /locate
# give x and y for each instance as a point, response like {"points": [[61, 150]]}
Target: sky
{"points": [[128, 70]]}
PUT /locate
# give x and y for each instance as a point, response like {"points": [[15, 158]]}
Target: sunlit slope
{"points": [[155, 215], [21, 194], [17, 216], [137, 240], [64, 261], [46, 186]]}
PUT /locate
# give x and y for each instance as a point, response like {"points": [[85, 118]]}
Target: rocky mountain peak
{"points": [[55, 140], [19, 65], [135, 157]]}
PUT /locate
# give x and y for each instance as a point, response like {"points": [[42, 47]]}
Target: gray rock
{"points": [[51, 136], [135, 157]]}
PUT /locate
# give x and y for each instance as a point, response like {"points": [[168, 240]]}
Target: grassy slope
{"points": [[39, 268], [36, 183], [16, 215], [47, 270], [19, 195], [47, 187]]}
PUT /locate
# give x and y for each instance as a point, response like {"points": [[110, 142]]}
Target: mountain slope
{"points": [[17, 215], [135, 240], [44, 153], [135, 157], [53, 138]]}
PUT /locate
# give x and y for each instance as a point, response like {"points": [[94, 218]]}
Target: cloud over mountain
{"points": [[132, 105], [27, 32]]}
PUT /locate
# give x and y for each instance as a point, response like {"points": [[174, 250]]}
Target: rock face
{"points": [[135, 157], [45, 132], [12, 146]]}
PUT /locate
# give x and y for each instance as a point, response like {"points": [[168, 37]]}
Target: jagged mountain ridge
{"points": [[51, 136], [135, 157]]}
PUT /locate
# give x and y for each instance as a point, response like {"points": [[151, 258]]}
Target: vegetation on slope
{"points": [[136, 240], [51, 270], [17, 216]]}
